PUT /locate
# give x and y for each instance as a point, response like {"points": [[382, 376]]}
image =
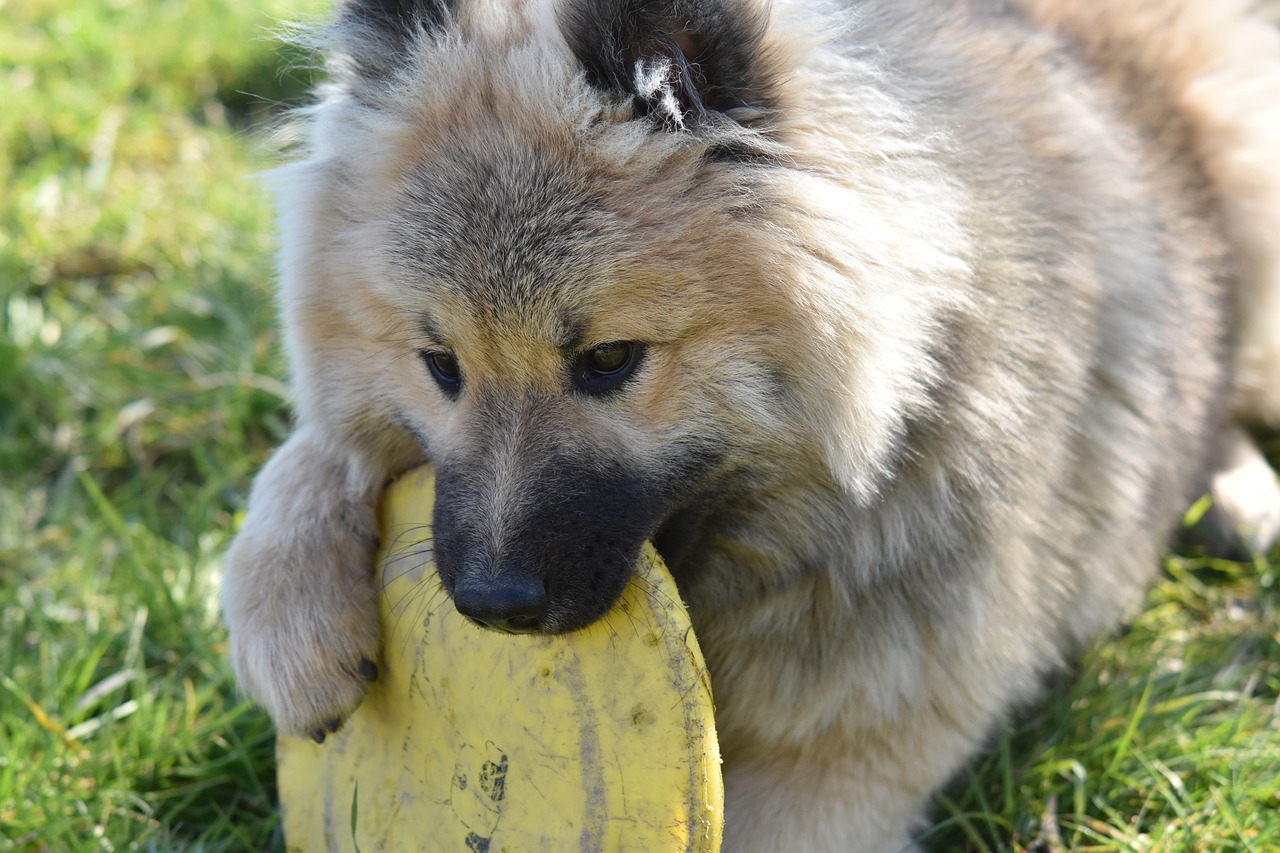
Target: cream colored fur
{"points": [[940, 330], [1213, 62]]}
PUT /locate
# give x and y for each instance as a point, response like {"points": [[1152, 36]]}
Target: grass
{"points": [[1164, 738], [139, 390], [137, 396]]}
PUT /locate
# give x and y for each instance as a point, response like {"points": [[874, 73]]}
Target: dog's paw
{"points": [[1245, 516], [302, 614], [1248, 497]]}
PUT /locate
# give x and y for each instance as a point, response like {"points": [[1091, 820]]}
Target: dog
{"points": [[906, 329]]}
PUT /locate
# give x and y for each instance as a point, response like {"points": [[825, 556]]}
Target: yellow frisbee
{"points": [[472, 740]]}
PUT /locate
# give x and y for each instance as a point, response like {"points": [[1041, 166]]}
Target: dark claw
{"points": [[318, 736], [333, 724], [368, 670]]}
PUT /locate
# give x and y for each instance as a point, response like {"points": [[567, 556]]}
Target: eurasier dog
{"points": [[907, 330]]}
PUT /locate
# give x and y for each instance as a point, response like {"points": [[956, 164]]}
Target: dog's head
{"points": [[566, 247]]}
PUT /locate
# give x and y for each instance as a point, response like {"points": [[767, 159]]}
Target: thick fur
{"points": [[947, 310]]}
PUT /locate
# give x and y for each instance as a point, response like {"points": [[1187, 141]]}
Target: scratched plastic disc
{"points": [[602, 739]]}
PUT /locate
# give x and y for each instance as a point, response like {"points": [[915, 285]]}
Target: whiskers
{"points": [[655, 592], [412, 556], [640, 586]]}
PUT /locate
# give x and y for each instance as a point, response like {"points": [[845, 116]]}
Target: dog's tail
{"points": [[1218, 63]]}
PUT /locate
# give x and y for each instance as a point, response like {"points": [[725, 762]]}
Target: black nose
{"points": [[513, 604]]}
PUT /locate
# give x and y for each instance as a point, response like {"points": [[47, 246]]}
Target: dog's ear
{"points": [[376, 34], [680, 60]]}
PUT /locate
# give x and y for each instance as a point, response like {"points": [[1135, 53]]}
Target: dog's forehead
{"points": [[529, 241], [503, 222], [513, 197]]}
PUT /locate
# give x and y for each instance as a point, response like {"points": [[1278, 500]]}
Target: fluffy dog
{"points": [[907, 329]]}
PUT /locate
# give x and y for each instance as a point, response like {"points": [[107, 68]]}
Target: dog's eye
{"points": [[444, 370], [603, 369]]}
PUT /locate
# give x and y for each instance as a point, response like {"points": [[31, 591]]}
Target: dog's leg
{"points": [[298, 593], [861, 795]]}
